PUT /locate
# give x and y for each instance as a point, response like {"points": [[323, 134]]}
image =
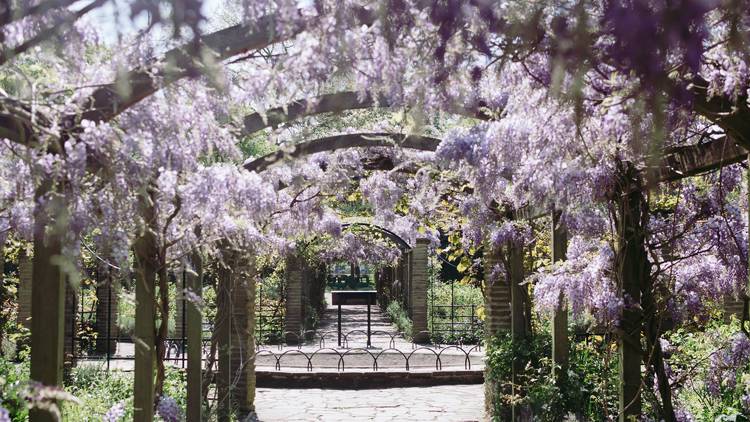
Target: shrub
{"points": [[589, 391], [400, 318]]}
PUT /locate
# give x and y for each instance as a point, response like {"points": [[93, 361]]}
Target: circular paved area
{"points": [[449, 403]]}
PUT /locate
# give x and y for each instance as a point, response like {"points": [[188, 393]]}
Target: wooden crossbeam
{"points": [[337, 142], [340, 102]]}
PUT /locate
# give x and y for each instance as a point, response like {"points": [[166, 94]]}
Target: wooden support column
{"points": [[418, 291], [560, 341], [630, 266], [518, 319], [236, 378], [145, 250], [47, 293], [194, 329]]}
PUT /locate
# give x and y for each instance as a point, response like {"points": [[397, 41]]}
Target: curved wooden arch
{"points": [[398, 240], [337, 103], [336, 142]]}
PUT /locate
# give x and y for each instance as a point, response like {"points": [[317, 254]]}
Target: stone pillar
{"points": [[107, 301], [236, 329], [24, 291], [418, 291], [294, 306]]}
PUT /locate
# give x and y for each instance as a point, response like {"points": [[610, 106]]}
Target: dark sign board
{"points": [[353, 297]]}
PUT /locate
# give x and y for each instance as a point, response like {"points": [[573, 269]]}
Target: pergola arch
{"points": [[402, 244]]}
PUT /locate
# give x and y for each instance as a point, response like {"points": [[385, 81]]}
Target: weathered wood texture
{"points": [[337, 142], [337, 103], [560, 340], [47, 296], [235, 382], [194, 333], [630, 272], [145, 251]]}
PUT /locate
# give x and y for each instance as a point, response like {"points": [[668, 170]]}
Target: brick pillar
{"points": [[107, 300], [404, 265], [497, 296], [294, 305], [236, 329], [24, 292], [70, 347], [418, 291], [733, 306], [497, 313]]}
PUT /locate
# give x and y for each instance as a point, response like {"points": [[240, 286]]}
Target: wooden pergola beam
{"points": [[337, 142], [337, 103]]}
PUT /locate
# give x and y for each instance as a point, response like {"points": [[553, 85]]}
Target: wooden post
{"points": [[248, 402], [47, 294], [236, 378], [560, 341], [145, 251], [630, 263], [518, 315], [223, 329], [194, 321]]}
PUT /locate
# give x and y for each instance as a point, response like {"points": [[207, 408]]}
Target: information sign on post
{"points": [[354, 297]]}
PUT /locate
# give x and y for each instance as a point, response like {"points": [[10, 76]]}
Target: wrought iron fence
{"points": [[455, 323]]}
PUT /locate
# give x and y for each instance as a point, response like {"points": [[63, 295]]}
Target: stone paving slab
{"points": [[452, 403]]}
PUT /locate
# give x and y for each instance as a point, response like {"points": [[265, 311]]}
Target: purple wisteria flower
{"points": [[726, 363], [4, 415], [168, 409], [116, 412]]}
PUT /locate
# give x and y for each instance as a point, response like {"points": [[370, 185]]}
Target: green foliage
{"points": [[464, 296], [14, 377], [400, 318], [700, 347], [99, 390], [589, 392]]}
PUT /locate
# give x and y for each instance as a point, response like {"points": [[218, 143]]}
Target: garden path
{"points": [[449, 403]]}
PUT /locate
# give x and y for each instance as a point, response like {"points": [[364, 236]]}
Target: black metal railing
{"points": [[455, 323]]}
